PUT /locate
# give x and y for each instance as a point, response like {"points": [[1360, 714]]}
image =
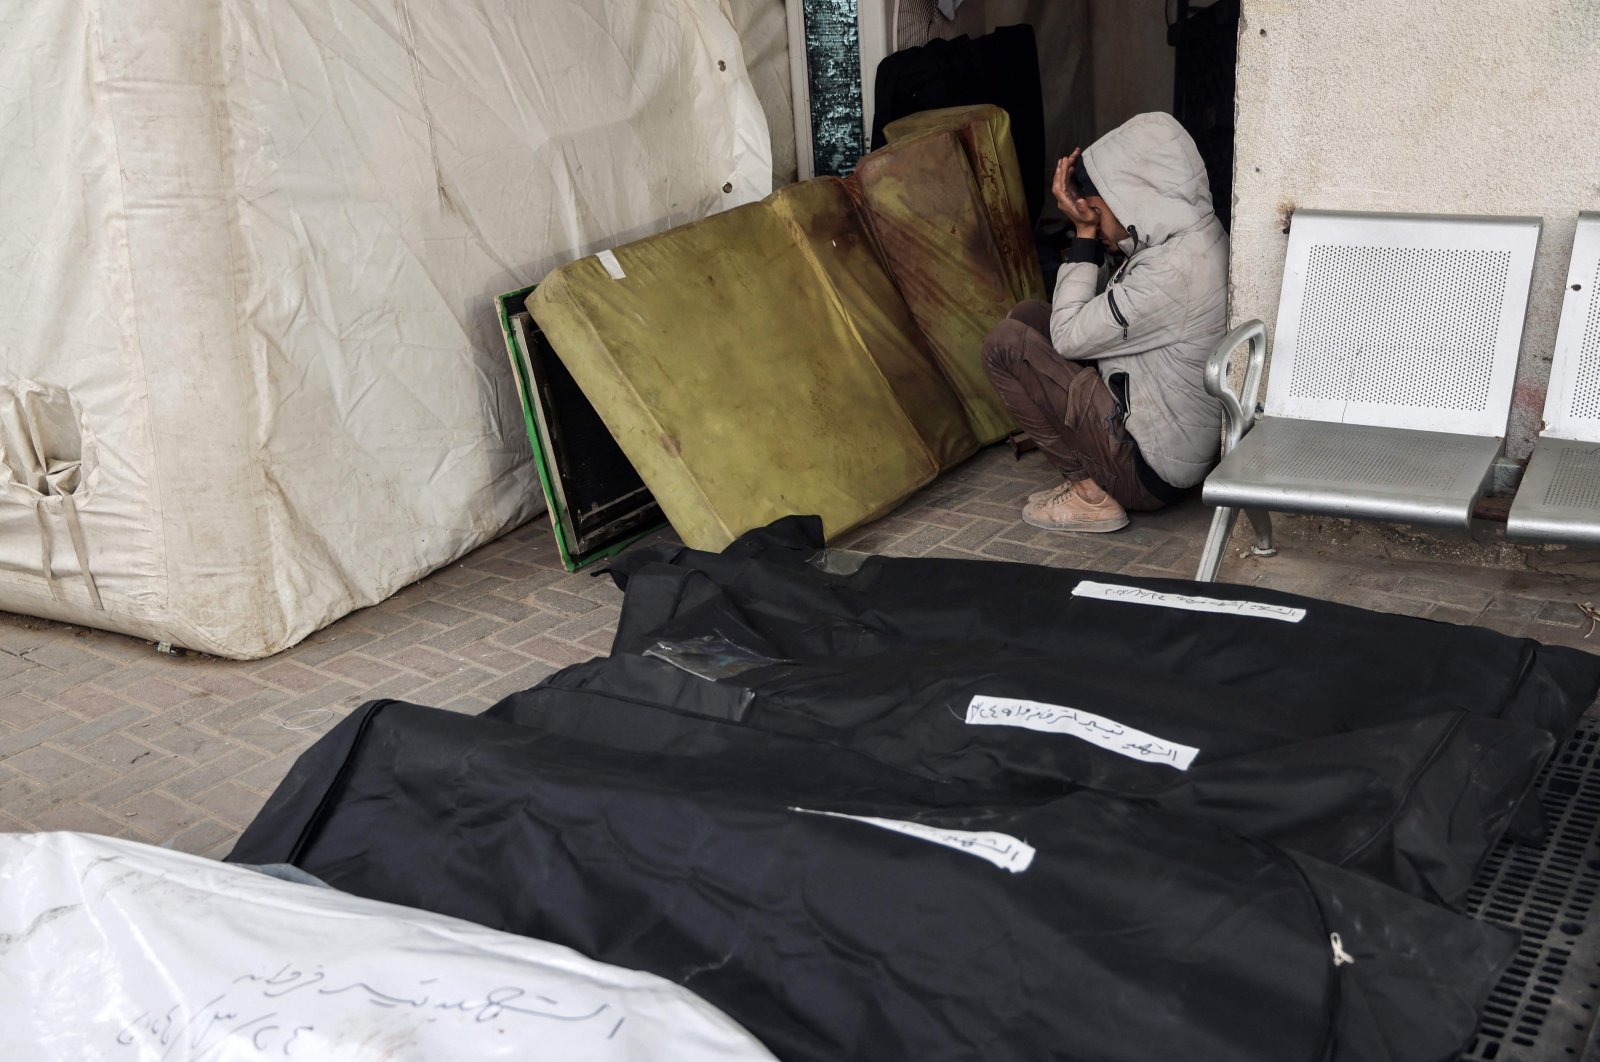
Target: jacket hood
{"points": [[1150, 173]]}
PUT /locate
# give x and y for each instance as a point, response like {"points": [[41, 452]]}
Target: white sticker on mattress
{"points": [[1138, 595], [614, 267], [1001, 849], [1095, 729]]}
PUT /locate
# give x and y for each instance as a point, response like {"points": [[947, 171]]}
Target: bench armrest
{"points": [[1238, 411]]}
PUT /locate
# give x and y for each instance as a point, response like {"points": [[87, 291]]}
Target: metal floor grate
{"points": [[1544, 1008]]}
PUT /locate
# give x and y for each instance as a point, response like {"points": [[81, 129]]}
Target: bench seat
{"points": [[1399, 474], [1559, 497]]}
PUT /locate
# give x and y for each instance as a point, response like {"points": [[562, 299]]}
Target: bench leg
{"points": [[1216, 543], [1261, 524]]}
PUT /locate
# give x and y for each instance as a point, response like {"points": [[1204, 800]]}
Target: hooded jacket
{"points": [[1165, 308]]}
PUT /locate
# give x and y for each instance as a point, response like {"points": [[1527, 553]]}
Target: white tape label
{"points": [[1003, 850], [1095, 729], [614, 267], [1138, 595]]}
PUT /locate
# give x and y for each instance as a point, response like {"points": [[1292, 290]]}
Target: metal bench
{"points": [[1559, 497], [1393, 361]]}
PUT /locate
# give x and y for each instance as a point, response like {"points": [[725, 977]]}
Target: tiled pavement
{"points": [[100, 733]]}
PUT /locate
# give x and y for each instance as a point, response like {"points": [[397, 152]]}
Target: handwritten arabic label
{"points": [[1138, 595], [614, 267], [1095, 729], [1003, 850], [251, 1012]]}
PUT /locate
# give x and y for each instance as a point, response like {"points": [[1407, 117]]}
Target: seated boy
{"points": [[1111, 385]]}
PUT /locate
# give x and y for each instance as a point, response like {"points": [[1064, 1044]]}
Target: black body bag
{"points": [[841, 910], [1337, 665]]}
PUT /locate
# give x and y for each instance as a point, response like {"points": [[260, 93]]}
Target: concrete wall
{"points": [[1463, 107]]}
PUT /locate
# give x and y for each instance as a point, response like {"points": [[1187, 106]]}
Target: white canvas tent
{"points": [[250, 372]]}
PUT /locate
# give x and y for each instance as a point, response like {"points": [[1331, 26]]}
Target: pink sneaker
{"points": [[1041, 495], [1066, 510]]}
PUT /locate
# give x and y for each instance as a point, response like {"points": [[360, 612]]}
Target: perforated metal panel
{"points": [[1402, 321], [1314, 466], [1381, 460], [1576, 482], [1543, 1009], [1572, 404], [1559, 498], [1377, 326]]}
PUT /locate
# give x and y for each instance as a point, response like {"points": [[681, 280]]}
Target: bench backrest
{"points": [[1572, 404], [1402, 320]]}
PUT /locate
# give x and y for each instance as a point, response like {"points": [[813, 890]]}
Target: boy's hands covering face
{"points": [[1078, 210]]}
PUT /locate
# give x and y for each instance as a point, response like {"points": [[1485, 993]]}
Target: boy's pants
{"points": [[1064, 405]]}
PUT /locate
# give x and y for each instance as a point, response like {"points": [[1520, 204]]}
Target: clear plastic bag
{"points": [[839, 561], [710, 656]]}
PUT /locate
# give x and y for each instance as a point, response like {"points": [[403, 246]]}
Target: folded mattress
{"points": [[757, 361]]}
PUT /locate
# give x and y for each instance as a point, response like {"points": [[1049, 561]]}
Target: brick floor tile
{"points": [[1446, 593], [199, 779], [230, 716], [1002, 513], [66, 654], [21, 710], [134, 672], [158, 816], [203, 837], [333, 641], [503, 607], [535, 625], [604, 617], [46, 764], [378, 621], [598, 643], [93, 729], [505, 567], [1012, 552], [399, 687], [360, 669], [224, 681], [1454, 614], [16, 788], [558, 653], [492, 656], [144, 772], [112, 750], [525, 587], [89, 702], [1561, 614], [265, 776], [189, 742], [525, 677], [467, 704], [159, 693], [437, 613], [426, 661], [464, 681], [230, 803], [292, 676], [15, 741], [980, 532], [561, 601], [12, 664], [79, 818], [399, 641], [472, 630]]}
